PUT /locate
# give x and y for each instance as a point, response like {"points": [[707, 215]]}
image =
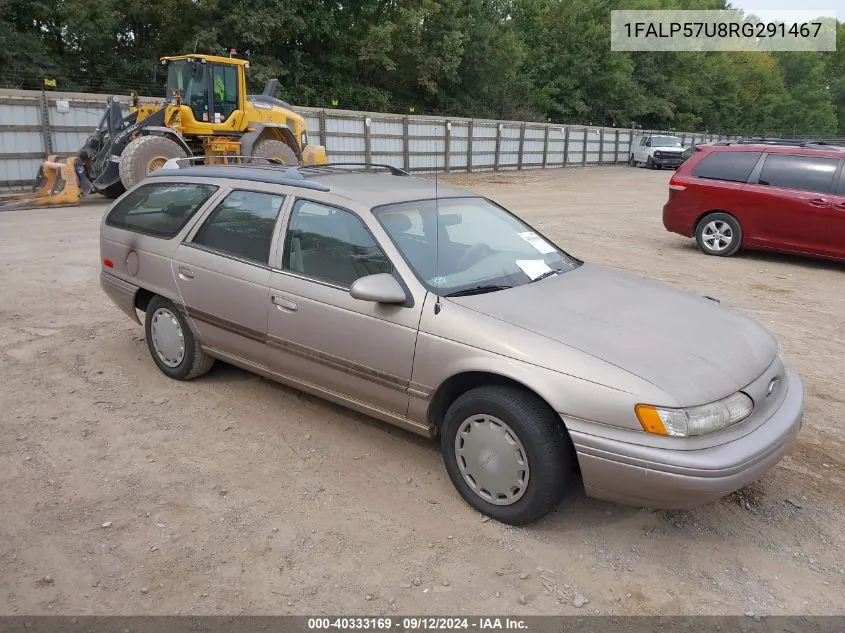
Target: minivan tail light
{"points": [[675, 185]]}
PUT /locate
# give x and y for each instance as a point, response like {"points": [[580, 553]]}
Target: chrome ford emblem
{"points": [[773, 385]]}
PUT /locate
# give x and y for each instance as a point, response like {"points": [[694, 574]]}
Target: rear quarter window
{"points": [[804, 173], [729, 166], [160, 209]]}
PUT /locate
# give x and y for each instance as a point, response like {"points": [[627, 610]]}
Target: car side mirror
{"points": [[380, 288], [648, 143]]}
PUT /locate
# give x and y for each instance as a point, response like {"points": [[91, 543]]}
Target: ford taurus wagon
{"points": [[437, 310]]}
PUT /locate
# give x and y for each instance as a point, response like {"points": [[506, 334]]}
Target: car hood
{"points": [[670, 150], [692, 348]]}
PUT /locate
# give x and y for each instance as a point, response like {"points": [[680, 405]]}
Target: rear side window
{"points": [[805, 173], [242, 226], [160, 210], [731, 166]]}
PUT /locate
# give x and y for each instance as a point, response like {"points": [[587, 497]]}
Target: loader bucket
{"points": [[57, 184]]}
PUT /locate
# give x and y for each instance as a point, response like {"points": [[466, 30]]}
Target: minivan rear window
{"points": [[731, 166], [160, 209]]}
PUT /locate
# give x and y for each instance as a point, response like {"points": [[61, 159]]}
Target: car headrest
{"points": [[397, 223]]}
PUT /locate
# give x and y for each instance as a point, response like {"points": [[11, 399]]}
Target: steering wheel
{"points": [[473, 255]]}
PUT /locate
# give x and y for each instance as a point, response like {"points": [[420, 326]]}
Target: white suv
{"points": [[656, 151]]}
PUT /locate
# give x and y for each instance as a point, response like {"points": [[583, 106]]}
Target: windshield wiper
{"points": [[548, 273], [477, 290]]}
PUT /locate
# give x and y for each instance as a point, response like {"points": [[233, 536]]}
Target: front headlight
{"points": [[695, 420], [658, 154], [304, 138]]}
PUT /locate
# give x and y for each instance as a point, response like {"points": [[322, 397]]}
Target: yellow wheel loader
{"points": [[208, 115]]}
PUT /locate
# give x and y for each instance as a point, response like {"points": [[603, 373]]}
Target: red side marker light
{"points": [[108, 263]]}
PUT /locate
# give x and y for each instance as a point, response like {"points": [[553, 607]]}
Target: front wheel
{"points": [[145, 155], [649, 163], [507, 453], [719, 234]]}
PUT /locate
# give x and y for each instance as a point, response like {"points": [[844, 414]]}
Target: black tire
{"points": [[144, 155], [632, 162], [272, 148], [649, 163], [195, 361], [113, 191], [705, 242], [545, 440]]}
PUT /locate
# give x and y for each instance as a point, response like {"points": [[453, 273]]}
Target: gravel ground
{"points": [[124, 492]]}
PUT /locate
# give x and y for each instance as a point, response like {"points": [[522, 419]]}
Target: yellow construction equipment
{"points": [[208, 116]]}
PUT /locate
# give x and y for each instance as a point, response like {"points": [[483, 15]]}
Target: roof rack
{"points": [[787, 142], [396, 171], [255, 173]]}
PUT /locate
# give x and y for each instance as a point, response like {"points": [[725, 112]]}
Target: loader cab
{"points": [[212, 87]]}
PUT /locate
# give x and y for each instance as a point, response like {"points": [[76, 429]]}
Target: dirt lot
{"points": [[125, 492]]}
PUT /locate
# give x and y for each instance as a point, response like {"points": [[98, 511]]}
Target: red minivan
{"points": [[761, 196]]}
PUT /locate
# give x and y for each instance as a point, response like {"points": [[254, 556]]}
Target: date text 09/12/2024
{"points": [[421, 623], [721, 29]]}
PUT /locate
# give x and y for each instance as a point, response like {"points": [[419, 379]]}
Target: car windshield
{"points": [[462, 246], [665, 141]]}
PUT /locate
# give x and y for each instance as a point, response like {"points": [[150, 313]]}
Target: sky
{"points": [[785, 11]]}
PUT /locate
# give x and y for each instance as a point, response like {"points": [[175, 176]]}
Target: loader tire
{"points": [[144, 155], [272, 148]]}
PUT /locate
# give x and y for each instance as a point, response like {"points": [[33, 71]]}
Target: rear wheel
{"points": [[272, 148], [719, 234], [632, 162], [507, 453], [145, 155], [171, 342]]}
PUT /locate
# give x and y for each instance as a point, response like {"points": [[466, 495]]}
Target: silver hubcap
{"points": [[491, 459], [717, 235], [168, 338]]}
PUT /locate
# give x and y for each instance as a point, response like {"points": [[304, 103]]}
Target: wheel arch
{"points": [[274, 131], [460, 383], [166, 132], [703, 215]]}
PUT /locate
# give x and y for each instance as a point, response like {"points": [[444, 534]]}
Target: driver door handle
{"points": [[820, 202], [284, 303], [186, 273]]}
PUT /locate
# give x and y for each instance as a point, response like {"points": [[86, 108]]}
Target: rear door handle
{"points": [[186, 273], [284, 303], [820, 202]]}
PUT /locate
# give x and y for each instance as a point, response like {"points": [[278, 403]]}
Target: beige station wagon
{"points": [[437, 310]]}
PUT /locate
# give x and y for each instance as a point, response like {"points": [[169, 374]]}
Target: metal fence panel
{"points": [[418, 143]]}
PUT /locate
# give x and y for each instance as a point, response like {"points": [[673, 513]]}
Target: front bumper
{"points": [[661, 478], [667, 161]]}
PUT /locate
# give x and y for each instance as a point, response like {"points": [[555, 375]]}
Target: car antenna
{"points": [[437, 306]]}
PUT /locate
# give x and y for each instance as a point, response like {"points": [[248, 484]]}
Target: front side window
{"points": [[242, 226], [190, 79], [225, 87], [730, 166], [469, 245], [805, 173], [331, 245], [160, 209]]}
